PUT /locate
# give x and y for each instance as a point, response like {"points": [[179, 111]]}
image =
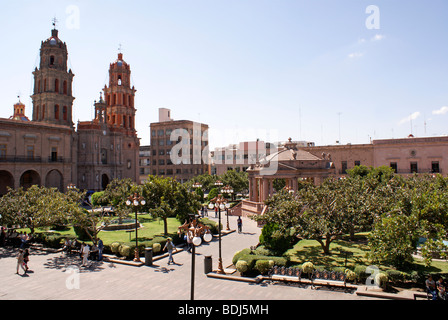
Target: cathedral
{"points": [[48, 151]]}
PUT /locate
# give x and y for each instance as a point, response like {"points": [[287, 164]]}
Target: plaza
{"points": [[53, 273]]}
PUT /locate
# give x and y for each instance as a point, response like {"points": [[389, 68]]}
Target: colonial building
{"points": [[108, 145], [48, 151]]}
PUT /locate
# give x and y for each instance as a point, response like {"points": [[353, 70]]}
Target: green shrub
{"points": [[156, 247], [239, 254], [307, 267], [273, 239], [114, 247], [381, 279], [361, 274], [263, 251], [263, 266], [125, 250], [396, 276], [350, 275], [242, 266]]}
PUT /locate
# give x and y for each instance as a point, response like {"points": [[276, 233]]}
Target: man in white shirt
{"points": [[85, 254]]}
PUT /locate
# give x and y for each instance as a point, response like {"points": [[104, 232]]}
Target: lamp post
{"points": [[219, 202], [196, 232], [136, 200], [227, 189]]}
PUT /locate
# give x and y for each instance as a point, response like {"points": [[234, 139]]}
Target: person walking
{"points": [[85, 254], [26, 258], [170, 246], [20, 262], [100, 249], [240, 224]]}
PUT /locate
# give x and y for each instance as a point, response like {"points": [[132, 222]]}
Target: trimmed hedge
{"points": [[257, 263]]}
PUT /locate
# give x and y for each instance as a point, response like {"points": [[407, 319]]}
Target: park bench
{"points": [[317, 278]]}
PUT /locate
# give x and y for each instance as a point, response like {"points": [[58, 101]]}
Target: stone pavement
{"points": [[56, 276]]}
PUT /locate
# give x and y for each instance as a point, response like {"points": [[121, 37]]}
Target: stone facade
{"points": [[48, 151]]}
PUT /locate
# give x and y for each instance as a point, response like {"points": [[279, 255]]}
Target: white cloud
{"points": [[378, 37], [442, 110], [413, 116], [355, 55]]}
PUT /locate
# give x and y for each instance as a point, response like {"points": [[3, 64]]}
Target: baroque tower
{"points": [[120, 97], [52, 96]]}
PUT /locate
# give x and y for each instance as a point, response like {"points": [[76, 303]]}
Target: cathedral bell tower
{"points": [[120, 97], [52, 96]]}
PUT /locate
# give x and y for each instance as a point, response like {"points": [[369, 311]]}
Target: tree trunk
{"points": [[165, 226]]}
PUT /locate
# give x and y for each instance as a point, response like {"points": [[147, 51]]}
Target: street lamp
{"points": [[227, 189], [136, 200], [196, 232], [71, 186], [220, 203]]}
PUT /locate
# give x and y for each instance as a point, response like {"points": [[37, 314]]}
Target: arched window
{"points": [[56, 112], [56, 85], [64, 87], [64, 113], [43, 112], [39, 89]]}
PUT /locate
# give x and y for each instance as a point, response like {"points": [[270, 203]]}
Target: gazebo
{"points": [[289, 163]]}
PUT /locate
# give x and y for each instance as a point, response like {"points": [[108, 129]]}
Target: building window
{"points": [[435, 168], [3, 151], [344, 167], [64, 113], [414, 167], [54, 154], [30, 152], [357, 163], [394, 166], [56, 86], [104, 156], [64, 87], [56, 112]]}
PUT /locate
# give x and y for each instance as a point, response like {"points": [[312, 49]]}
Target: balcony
{"points": [[25, 159]]}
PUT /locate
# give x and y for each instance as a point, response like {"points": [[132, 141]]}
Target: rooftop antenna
{"points": [[339, 115]]}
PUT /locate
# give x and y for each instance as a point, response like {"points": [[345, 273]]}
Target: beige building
{"points": [[179, 148], [145, 163]]}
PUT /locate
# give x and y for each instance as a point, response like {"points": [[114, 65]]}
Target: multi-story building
{"points": [[179, 148], [239, 157], [145, 163]]}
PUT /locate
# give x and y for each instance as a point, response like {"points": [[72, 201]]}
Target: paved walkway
{"points": [[56, 276]]}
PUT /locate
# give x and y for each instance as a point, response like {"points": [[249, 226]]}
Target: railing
{"points": [[25, 159]]}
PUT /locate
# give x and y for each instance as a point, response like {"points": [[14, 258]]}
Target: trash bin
{"points": [[208, 264], [148, 256]]}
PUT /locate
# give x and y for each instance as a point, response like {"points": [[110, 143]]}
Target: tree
{"points": [[165, 197], [38, 207], [315, 212], [116, 194]]}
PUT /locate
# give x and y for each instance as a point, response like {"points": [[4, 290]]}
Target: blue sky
{"points": [[269, 69]]}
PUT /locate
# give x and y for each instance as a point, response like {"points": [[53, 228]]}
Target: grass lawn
{"points": [[311, 250], [151, 227]]}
